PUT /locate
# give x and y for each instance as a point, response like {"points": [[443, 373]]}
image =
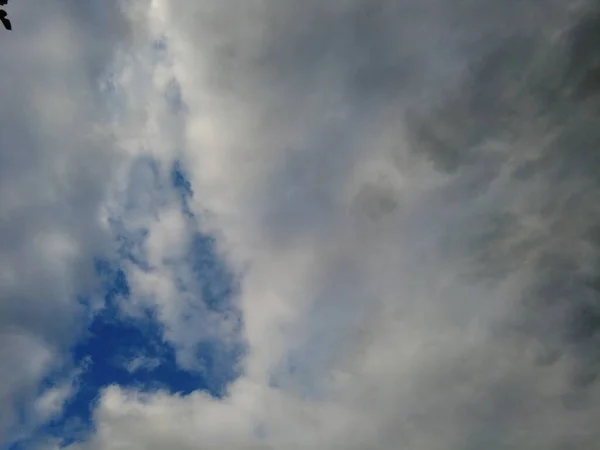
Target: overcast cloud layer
{"points": [[406, 193]]}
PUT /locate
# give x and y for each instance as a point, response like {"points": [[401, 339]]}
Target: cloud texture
{"points": [[405, 191]]}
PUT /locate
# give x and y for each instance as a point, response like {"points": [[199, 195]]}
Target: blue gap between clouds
{"points": [[110, 340]]}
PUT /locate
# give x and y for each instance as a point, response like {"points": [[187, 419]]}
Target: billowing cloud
{"points": [[407, 195], [56, 155]]}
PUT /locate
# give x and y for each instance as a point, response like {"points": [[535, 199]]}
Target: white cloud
{"points": [[56, 157], [362, 235], [51, 403], [415, 242], [142, 363]]}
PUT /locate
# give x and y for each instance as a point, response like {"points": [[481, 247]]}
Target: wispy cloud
{"points": [[142, 363]]}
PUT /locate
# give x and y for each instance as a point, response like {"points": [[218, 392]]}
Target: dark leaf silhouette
{"points": [[4, 19]]}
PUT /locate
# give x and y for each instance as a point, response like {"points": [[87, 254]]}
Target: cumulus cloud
{"points": [[55, 158], [407, 192]]}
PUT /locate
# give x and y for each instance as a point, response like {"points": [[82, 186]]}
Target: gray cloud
{"points": [[451, 130], [55, 159], [409, 190], [497, 231]]}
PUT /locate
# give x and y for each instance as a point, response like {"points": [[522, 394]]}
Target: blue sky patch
{"points": [[131, 352]]}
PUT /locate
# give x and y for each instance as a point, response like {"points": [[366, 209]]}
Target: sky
{"points": [[296, 225]]}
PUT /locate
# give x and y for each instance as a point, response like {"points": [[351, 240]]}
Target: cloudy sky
{"points": [[316, 224]]}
